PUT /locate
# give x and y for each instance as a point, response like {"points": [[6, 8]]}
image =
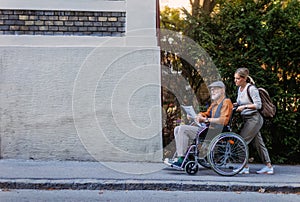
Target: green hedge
{"points": [[263, 36]]}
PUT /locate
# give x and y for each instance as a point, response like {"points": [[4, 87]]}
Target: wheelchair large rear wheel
{"points": [[228, 154]]}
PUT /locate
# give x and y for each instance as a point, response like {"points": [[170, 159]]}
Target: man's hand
{"points": [[188, 117], [200, 118]]}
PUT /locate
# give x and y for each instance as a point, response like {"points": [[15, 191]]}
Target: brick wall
{"points": [[79, 23]]}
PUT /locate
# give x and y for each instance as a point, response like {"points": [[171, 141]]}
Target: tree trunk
{"points": [[195, 7], [206, 6]]}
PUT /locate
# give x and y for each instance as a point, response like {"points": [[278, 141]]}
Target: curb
{"points": [[169, 185]]}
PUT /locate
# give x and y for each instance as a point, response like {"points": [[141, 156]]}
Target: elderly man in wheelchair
{"points": [[212, 123], [218, 114]]}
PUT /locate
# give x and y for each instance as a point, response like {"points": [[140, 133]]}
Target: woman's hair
{"points": [[244, 73], [250, 80]]}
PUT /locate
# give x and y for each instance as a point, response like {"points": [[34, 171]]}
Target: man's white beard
{"points": [[216, 96]]}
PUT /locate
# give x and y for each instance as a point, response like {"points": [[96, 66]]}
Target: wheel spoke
{"points": [[228, 151]]}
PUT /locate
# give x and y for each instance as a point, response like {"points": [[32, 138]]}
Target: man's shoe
{"points": [[168, 161], [266, 170], [243, 171], [176, 164]]}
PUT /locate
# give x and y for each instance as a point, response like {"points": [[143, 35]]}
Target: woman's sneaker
{"points": [[243, 171], [266, 170]]}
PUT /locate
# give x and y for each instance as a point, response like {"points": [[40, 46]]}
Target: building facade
{"points": [[80, 80]]}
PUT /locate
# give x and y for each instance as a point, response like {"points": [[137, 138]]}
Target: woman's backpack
{"points": [[268, 109]]}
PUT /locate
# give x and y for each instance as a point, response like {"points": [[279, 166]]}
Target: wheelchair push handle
{"points": [[235, 106]]}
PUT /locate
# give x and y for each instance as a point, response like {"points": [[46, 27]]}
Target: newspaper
{"points": [[190, 111]]}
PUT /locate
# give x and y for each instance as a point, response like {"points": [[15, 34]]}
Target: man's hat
{"points": [[217, 84]]}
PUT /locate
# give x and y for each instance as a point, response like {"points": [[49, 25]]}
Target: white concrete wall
{"points": [[82, 98]]}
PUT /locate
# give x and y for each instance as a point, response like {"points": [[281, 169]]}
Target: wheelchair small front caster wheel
{"points": [[191, 168]]}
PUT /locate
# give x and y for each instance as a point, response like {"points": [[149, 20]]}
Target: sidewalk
{"points": [[22, 174]]}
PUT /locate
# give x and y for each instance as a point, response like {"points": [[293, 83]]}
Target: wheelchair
{"points": [[226, 153]]}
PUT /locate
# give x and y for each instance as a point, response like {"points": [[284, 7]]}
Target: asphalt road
{"points": [[141, 196]]}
